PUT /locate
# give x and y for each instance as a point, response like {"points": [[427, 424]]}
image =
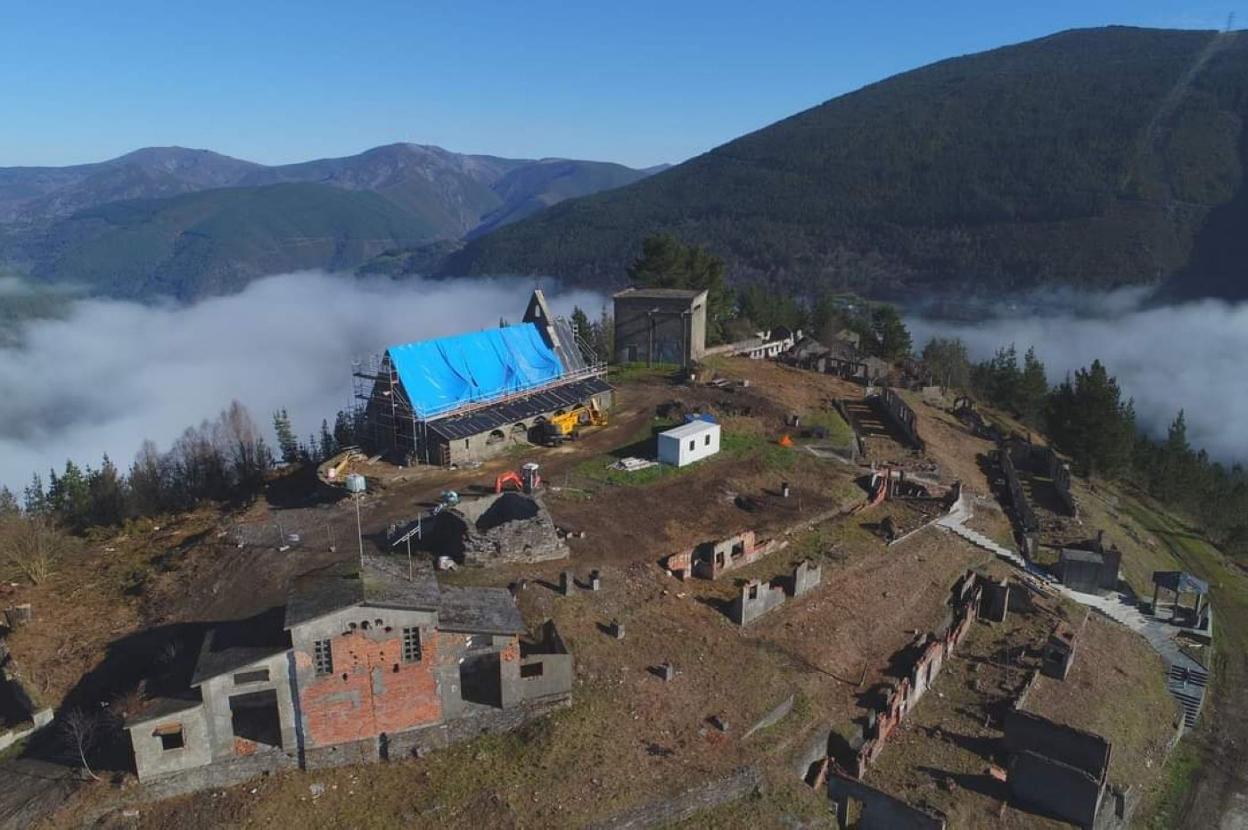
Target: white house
{"points": [[688, 443]]}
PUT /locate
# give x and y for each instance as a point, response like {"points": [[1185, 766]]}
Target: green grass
{"points": [[839, 432], [633, 372], [13, 751], [733, 446], [1229, 595], [1181, 769]]}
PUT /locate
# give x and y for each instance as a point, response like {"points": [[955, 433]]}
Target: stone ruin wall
{"points": [[937, 648], [902, 415]]}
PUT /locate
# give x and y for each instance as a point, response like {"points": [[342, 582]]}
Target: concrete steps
{"points": [[954, 522]]}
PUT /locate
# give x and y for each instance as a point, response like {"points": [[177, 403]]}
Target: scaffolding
{"points": [[385, 418]]}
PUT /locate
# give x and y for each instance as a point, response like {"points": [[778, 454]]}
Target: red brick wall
{"points": [[370, 691]]}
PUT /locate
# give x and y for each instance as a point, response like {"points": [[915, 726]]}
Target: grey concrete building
{"points": [[359, 665], [660, 325], [1089, 571]]}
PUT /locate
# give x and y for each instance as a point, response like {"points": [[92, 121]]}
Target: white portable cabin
{"points": [[688, 443]]}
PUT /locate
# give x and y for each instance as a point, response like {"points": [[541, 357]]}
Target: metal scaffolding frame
{"points": [[384, 417]]}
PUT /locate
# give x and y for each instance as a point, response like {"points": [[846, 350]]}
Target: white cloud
{"points": [[1192, 356], [113, 373]]}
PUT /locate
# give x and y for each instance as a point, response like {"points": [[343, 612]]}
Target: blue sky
{"points": [[636, 82]]}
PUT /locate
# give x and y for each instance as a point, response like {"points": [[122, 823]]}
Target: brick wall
{"points": [[370, 691]]}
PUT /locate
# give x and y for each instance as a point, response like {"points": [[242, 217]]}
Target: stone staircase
{"points": [[955, 522], [1187, 686]]}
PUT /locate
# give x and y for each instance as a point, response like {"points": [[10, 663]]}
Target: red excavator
{"points": [[526, 481]]}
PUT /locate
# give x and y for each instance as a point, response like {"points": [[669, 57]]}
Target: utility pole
{"points": [[359, 532]]}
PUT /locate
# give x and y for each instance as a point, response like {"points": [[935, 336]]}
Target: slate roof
{"points": [[384, 584], [1180, 582], [479, 610], [658, 294], [1073, 555], [229, 646], [522, 409], [159, 708]]}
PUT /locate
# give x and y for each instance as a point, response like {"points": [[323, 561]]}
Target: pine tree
{"points": [[1032, 388], [69, 497], [107, 495], [287, 443], [890, 339], [34, 497], [344, 430], [1089, 420], [604, 336], [580, 323], [666, 262], [328, 446], [8, 504]]}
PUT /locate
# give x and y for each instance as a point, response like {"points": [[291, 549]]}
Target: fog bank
{"points": [[112, 373], [1192, 356]]}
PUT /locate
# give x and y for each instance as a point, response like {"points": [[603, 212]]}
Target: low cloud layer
{"points": [[113, 373], [1192, 356]]}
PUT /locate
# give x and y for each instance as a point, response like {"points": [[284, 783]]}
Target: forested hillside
{"points": [[1093, 157], [191, 223]]}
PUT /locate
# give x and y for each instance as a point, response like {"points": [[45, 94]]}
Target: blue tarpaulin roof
{"points": [[443, 374]]}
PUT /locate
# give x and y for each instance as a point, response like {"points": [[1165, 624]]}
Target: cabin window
{"points": [[257, 676], [411, 645], [171, 737], [323, 657]]}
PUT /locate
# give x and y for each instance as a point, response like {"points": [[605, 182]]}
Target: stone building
{"points": [[498, 529], [360, 664], [469, 397], [660, 325]]}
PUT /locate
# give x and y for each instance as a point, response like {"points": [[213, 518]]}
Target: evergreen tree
{"points": [[604, 336], [1088, 419], [890, 339], [9, 507], [69, 497], [997, 379], [287, 443], [948, 361], [1032, 389], [581, 324], [328, 446], [765, 310], [107, 496], [34, 497], [344, 430]]}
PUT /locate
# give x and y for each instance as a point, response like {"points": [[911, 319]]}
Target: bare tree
{"points": [[80, 729], [32, 545]]}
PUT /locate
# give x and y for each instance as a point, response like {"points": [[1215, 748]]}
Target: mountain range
{"points": [[191, 223], [1093, 158]]}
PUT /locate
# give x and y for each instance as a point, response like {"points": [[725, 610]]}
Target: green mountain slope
{"points": [[168, 220], [215, 241], [1092, 157]]}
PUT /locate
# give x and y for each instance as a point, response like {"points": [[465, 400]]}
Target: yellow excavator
{"points": [[567, 426]]}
